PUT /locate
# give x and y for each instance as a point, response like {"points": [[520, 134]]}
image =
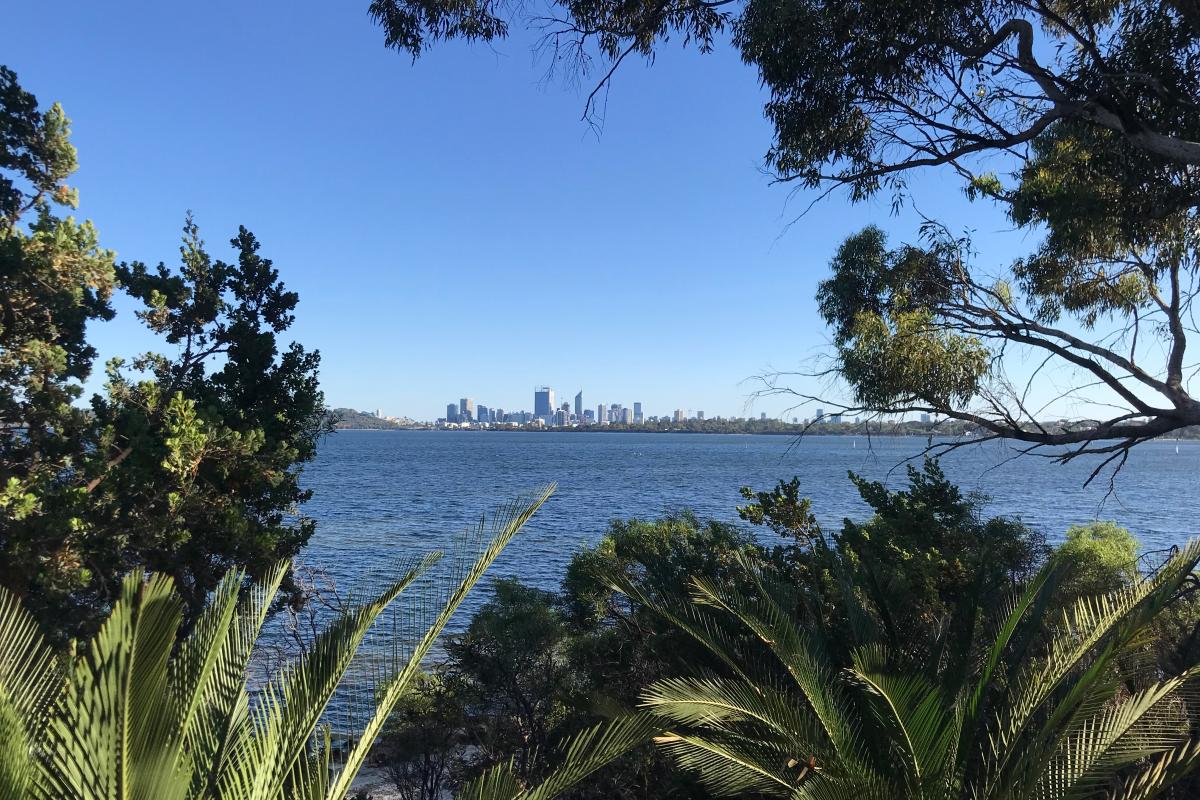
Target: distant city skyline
{"points": [[546, 403], [546, 408]]}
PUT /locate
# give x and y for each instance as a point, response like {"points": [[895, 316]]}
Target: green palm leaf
{"points": [[145, 715], [114, 733], [286, 714], [917, 716], [30, 678], [503, 525], [1062, 724], [579, 756]]}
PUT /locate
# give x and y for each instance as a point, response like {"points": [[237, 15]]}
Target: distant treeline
{"points": [[773, 426], [348, 418], [776, 426]]}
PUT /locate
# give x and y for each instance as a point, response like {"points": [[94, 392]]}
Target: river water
{"points": [[383, 495]]}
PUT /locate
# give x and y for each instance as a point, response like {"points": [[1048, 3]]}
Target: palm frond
{"points": [[797, 653], [504, 525], [720, 704], [114, 732], [16, 761], [1114, 618], [915, 712], [497, 783], [1161, 773], [210, 677], [291, 706], [729, 765], [30, 674], [1146, 724], [591, 749]]}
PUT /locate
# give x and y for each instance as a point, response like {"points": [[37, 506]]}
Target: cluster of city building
{"points": [[547, 411]]}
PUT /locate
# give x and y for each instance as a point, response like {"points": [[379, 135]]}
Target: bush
{"points": [[1100, 556]]}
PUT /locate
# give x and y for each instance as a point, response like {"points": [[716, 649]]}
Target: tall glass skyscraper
{"points": [[543, 401], [579, 406]]}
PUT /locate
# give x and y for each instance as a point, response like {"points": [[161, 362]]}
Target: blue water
{"points": [[383, 495]]}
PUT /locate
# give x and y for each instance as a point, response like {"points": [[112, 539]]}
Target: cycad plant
{"points": [[141, 714], [1061, 703]]}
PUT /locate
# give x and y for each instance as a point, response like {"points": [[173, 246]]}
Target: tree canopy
{"points": [[188, 462]]}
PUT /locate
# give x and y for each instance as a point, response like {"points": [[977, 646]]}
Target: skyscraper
{"points": [[481, 414], [626, 416], [466, 407], [679, 415], [543, 401], [579, 406], [451, 412], [600, 418], [638, 419]]}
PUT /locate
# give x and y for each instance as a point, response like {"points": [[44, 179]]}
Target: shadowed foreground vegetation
{"points": [[928, 651]]}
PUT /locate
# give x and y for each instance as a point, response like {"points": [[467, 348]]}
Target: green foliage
{"points": [[485, 719], [911, 575], [1098, 557], [422, 742], [1070, 716], [661, 555], [782, 510], [189, 463], [928, 552], [927, 651], [620, 645], [892, 349], [55, 279], [508, 668], [213, 437], [535, 667], [143, 713]]}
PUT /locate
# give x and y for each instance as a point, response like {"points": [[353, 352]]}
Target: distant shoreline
{"points": [[814, 431], [607, 429]]}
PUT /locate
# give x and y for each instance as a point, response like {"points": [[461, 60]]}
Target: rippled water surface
{"points": [[386, 494]]}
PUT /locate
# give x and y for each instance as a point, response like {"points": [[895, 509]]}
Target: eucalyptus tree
{"points": [[1080, 119]]}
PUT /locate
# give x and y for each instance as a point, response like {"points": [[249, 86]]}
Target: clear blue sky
{"points": [[452, 227]]}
